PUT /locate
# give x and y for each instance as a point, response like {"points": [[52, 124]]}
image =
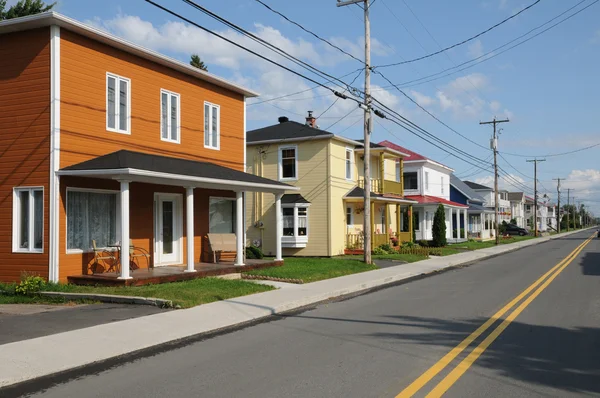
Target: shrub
{"points": [[502, 227], [387, 248], [408, 245], [253, 252], [439, 227], [423, 243], [29, 284], [395, 242], [379, 251]]}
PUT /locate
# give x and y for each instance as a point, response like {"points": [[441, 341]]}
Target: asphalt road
{"points": [[377, 344]]}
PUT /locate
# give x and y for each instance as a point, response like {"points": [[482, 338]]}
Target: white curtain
{"points": [[221, 216], [91, 216], [288, 221]]}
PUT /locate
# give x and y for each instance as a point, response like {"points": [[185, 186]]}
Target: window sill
{"points": [[214, 148], [27, 251], [288, 179], [294, 242], [118, 131], [171, 141]]}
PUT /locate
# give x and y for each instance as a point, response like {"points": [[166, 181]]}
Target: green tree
{"points": [[196, 62], [24, 8], [439, 227]]}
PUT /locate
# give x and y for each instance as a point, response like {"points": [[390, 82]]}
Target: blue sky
{"points": [[548, 87]]}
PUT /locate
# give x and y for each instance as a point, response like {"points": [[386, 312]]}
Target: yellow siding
{"points": [[390, 169]]}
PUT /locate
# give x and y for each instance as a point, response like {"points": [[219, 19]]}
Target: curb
{"points": [[109, 298]]}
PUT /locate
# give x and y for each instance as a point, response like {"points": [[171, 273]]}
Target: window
{"points": [[28, 220], [295, 225], [349, 217], [221, 218], [118, 104], [442, 185], [288, 163], [398, 177], [426, 181], [416, 221], [211, 126], [411, 181], [169, 116], [91, 215], [349, 156]]}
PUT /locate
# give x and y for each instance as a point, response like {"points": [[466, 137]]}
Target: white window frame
{"points": [[398, 175], [228, 198], [280, 162], [442, 178], [351, 152], [211, 145], [118, 217], [296, 241], [351, 213], [426, 185], [16, 218], [169, 95], [118, 78]]}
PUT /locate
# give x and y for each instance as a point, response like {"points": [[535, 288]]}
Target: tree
{"points": [[196, 62], [24, 8], [439, 227]]}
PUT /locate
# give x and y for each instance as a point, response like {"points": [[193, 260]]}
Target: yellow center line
{"points": [[422, 380], [466, 363]]}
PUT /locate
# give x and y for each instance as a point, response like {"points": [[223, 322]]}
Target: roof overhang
{"points": [[295, 139], [432, 162], [52, 18], [391, 151], [153, 177]]}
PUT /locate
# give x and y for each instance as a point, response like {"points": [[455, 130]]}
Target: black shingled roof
{"points": [[474, 185], [293, 198], [283, 131], [124, 159]]}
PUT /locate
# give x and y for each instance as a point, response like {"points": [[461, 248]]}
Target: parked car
{"points": [[512, 229]]}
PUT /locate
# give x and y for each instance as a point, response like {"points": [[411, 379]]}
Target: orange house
{"points": [[106, 141]]}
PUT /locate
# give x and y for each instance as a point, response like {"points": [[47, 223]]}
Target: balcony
{"points": [[381, 186]]}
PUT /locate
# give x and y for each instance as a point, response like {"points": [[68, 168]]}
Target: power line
{"points": [[338, 98], [462, 42], [554, 154]]}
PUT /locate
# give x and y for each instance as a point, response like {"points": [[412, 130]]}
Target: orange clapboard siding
{"points": [[24, 138], [84, 64]]}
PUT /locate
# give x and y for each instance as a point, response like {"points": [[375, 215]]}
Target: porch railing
{"points": [[376, 185], [405, 236], [382, 186], [380, 239], [355, 241]]}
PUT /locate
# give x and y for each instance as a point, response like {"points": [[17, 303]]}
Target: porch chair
{"points": [[101, 255], [222, 247], [137, 252]]}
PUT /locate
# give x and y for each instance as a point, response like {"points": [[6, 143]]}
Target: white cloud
{"points": [[475, 49], [495, 106], [422, 99], [596, 38], [510, 182], [502, 4]]}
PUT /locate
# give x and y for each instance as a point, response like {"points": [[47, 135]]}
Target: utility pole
{"points": [[558, 213], [535, 197], [568, 208], [494, 145], [367, 129]]}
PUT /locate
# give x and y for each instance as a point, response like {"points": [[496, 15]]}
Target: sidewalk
{"points": [[43, 356]]}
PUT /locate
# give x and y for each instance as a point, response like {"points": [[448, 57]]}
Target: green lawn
{"points": [[409, 258], [186, 294], [490, 243], [315, 269]]}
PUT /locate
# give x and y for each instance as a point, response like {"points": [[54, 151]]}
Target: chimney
{"points": [[310, 119], [283, 119]]}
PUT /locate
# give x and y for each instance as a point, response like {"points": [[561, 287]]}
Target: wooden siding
{"points": [[84, 64], [141, 220], [24, 138]]}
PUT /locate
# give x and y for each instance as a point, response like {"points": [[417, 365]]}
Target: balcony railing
{"points": [[381, 186]]}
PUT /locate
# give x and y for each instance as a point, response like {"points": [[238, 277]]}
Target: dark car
{"points": [[513, 229]]}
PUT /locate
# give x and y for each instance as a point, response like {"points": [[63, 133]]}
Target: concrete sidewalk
{"points": [[43, 356]]}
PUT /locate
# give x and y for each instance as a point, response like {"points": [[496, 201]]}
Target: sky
{"points": [[547, 87]]}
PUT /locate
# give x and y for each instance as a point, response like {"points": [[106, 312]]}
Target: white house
{"points": [[427, 182], [546, 214], [480, 218], [517, 207], [504, 208]]}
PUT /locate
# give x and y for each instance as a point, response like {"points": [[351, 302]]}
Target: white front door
{"points": [[167, 229]]}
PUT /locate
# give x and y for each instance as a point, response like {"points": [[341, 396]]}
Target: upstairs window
{"points": [[349, 157], [118, 104], [398, 177], [426, 181], [442, 185], [212, 126], [411, 181], [169, 116], [288, 163], [28, 220]]}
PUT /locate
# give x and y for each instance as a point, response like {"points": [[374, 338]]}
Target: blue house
{"points": [[480, 218]]}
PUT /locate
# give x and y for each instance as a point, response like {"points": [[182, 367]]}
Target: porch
{"points": [[167, 274]]}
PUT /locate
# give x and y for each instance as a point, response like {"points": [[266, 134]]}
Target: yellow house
{"points": [[325, 218]]}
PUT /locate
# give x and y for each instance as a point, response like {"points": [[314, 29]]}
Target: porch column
{"points": [[398, 217], [124, 230], [278, 227], [387, 223], [465, 222], [451, 223], [410, 222], [189, 223], [239, 228]]}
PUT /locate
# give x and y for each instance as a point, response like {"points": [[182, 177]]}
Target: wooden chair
{"points": [[101, 255], [222, 247], [137, 252]]}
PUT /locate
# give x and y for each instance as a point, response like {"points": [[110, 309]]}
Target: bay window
{"points": [[295, 225], [91, 215], [28, 220]]}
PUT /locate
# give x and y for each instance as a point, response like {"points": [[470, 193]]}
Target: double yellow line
{"points": [[466, 363]]}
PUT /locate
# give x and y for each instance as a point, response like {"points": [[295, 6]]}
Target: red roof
{"points": [[434, 200], [411, 155]]}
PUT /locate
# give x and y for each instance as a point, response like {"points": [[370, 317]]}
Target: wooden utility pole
{"points": [[367, 130], [558, 213], [535, 198], [568, 209], [494, 147]]}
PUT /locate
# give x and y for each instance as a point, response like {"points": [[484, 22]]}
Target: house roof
{"points": [[53, 18], [376, 147], [465, 189], [476, 186], [284, 131], [515, 196], [412, 156], [434, 200], [358, 193], [129, 163], [290, 198], [473, 208]]}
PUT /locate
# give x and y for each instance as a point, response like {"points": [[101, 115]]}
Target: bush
{"points": [[408, 245], [439, 227], [502, 227], [29, 284], [395, 242], [379, 251], [423, 243], [386, 247], [253, 252]]}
